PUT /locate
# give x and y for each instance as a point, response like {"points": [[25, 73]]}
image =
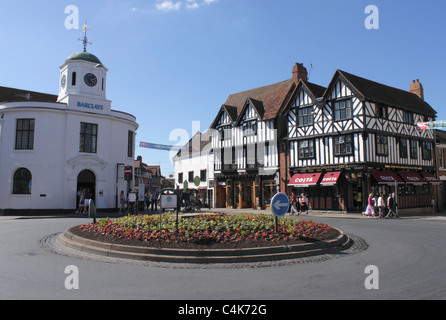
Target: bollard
{"points": [[92, 211]]}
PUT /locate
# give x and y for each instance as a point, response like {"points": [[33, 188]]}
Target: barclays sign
{"points": [[90, 106]]}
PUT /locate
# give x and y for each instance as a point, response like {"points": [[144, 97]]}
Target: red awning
{"points": [[330, 178], [305, 179], [431, 178], [386, 177], [412, 177]]}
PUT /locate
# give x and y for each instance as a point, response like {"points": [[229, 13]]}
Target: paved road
{"points": [[410, 255]]}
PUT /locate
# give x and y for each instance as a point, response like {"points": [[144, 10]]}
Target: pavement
{"points": [[310, 214]]}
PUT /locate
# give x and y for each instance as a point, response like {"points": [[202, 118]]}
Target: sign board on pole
{"points": [[128, 173], [280, 204], [169, 201]]}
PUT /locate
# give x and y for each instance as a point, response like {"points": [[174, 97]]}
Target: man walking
{"points": [[392, 205]]}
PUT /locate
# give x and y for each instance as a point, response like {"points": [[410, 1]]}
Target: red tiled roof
{"points": [[272, 97]]}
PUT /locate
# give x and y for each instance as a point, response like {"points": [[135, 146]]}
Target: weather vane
{"points": [[85, 39]]}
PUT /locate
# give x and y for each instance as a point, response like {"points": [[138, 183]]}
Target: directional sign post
{"points": [[280, 205]]}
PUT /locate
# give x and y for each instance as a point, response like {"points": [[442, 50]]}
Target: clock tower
{"points": [[83, 80]]}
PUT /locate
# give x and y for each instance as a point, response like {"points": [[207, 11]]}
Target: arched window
{"points": [[22, 181], [73, 79]]}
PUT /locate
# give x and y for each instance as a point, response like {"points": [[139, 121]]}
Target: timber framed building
{"points": [[336, 144]]}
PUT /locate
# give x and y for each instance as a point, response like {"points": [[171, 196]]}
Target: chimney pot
{"points": [[417, 88], [300, 72]]}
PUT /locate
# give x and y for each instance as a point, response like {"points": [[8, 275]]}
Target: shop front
{"points": [[245, 191], [414, 190], [332, 190]]}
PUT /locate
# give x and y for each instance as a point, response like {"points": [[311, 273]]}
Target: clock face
{"points": [[90, 80], [63, 81]]}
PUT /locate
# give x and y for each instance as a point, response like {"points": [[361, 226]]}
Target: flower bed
{"points": [[214, 230]]}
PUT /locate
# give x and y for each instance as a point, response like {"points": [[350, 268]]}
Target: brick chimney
{"points": [[300, 72], [417, 88]]}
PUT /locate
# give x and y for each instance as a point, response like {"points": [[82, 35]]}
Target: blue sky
{"points": [[176, 61]]}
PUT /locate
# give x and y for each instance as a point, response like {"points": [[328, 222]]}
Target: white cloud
{"points": [[168, 5]]}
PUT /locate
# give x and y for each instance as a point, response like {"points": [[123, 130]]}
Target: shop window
{"points": [[22, 181]]}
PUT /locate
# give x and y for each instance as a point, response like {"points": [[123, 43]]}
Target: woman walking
{"points": [[370, 211]]}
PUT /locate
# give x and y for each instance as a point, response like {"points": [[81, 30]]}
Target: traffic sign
{"points": [[128, 173], [280, 204]]}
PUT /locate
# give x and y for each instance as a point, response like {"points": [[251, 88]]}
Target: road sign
{"points": [[280, 204], [128, 173]]}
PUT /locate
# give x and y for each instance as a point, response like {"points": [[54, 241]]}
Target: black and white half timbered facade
{"points": [[358, 137], [337, 144], [245, 145]]}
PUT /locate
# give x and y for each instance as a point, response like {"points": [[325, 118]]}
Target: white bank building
{"points": [[51, 146]]}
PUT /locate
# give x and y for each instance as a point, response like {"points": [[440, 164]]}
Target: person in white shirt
{"points": [[381, 206]]}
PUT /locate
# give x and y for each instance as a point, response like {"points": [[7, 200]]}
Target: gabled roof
{"points": [[231, 112], [384, 94], [315, 91], [199, 143], [17, 95], [258, 107], [272, 98]]}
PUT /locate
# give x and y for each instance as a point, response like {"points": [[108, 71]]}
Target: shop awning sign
{"points": [[431, 178], [412, 178], [304, 180], [330, 178], [386, 177]]}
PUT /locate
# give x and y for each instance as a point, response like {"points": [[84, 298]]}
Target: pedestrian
{"points": [[303, 203], [82, 207], [78, 199], [381, 206], [122, 202], [433, 204], [155, 200], [294, 204], [370, 210], [148, 200], [392, 205]]}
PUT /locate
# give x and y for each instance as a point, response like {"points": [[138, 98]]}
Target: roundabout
{"points": [[207, 239]]}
